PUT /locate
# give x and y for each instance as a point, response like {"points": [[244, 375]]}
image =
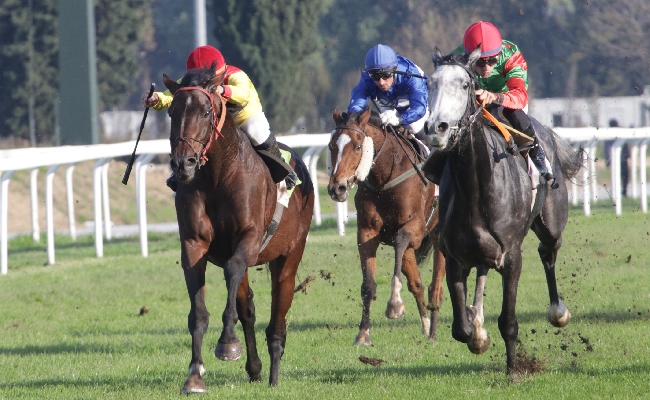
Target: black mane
{"points": [[198, 76], [456, 58], [354, 117]]}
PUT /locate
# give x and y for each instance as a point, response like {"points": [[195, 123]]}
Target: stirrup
{"points": [[291, 180]]}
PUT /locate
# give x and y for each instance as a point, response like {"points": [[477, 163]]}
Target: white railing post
{"points": [[105, 201], [644, 181], [340, 220], [634, 158], [49, 212], [313, 172], [141, 199], [4, 197], [33, 196], [592, 171], [97, 205], [70, 197], [616, 175]]}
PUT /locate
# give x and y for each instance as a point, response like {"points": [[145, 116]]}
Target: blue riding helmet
{"points": [[381, 58]]}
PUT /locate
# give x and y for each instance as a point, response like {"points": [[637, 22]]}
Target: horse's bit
{"points": [[215, 126]]}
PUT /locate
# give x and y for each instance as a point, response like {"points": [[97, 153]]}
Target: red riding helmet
{"points": [[485, 34], [203, 57]]}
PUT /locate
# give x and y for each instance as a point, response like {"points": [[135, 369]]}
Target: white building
{"points": [[629, 112]]}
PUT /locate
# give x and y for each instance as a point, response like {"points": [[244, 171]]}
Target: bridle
{"points": [[215, 126], [470, 114], [365, 135]]}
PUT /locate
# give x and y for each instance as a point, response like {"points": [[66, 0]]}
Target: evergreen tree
{"points": [[16, 19], [271, 41]]}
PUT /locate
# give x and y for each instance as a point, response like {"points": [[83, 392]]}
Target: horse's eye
{"points": [[358, 147], [465, 85], [207, 112], [333, 147]]}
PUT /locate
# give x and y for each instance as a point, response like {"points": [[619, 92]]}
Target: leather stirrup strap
{"points": [[503, 128]]}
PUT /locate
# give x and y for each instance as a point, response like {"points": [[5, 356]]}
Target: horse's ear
{"points": [[364, 116], [475, 55], [436, 56], [337, 117], [171, 84]]}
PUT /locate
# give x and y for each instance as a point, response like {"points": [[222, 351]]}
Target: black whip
{"points": [[129, 166]]}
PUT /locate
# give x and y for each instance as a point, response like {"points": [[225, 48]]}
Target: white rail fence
{"points": [[54, 157]]}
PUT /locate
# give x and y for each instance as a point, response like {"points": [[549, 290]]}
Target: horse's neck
{"points": [[224, 151], [385, 166], [472, 161]]}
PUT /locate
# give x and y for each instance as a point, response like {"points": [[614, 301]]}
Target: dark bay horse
{"points": [[225, 203], [394, 207], [488, 203]]}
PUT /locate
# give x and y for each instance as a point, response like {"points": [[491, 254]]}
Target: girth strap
{"points": [[273, 225]]}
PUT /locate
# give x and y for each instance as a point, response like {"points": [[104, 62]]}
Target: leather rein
{"points": [[215, 126]]}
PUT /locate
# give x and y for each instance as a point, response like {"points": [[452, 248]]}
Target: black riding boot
{"points": [[270, 153], [538, 157]]}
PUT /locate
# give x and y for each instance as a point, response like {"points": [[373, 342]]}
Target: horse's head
{"points": [[350, 152], [194, 122], [451, 95]]}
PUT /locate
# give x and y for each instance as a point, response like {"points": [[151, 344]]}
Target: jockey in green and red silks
{"points": [[502, 75]]}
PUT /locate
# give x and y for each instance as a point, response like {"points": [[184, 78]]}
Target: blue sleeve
{"points": [[361, 93], [418, 98]]}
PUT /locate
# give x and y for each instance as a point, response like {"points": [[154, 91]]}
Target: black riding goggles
{"points": [[482, 62], [377, 75]]}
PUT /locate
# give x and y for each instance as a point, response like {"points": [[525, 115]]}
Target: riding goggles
{"points": [[482, 62], [377, 75]]}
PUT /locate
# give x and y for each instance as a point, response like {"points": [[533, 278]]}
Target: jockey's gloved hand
{"points": [[512, 147], [151, 101], [389, 117]]}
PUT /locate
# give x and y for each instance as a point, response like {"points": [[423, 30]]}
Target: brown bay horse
{"points": [[225, 202], [394, 207]]}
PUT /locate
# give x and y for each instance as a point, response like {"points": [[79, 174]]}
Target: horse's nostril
{"points": [[191, 161], [341, 188], [442, 127]]}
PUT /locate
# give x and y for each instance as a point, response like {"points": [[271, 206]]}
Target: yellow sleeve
{"points": [[240, 87], [164, 99]]}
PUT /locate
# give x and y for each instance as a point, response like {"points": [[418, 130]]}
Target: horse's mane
{"points": [[198, 76], [456, 58], [354, 117]]}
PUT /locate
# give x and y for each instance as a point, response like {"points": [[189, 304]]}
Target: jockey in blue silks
{"points": [[397, 84]]}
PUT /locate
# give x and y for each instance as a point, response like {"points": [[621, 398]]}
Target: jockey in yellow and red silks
{"points": [[502, 75], [243, 104]]}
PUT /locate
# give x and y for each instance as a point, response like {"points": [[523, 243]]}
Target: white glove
{"points": [[389, 117]]}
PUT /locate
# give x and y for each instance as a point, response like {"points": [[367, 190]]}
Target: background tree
{"points": [[271, 41]]}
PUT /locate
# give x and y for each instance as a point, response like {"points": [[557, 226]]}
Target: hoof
{"points": [[480, 343], [228, 351], [559, 316], [395, 310], [194, 384], [255, 378], [363, 338]]}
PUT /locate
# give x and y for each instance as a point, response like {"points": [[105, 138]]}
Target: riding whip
{"points": [[129, 166]]}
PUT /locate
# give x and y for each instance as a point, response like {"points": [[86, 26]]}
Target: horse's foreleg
{"points": [[558, 313], [283, 280], [480, 341], [197, 320], [395, 307], [412, 273], [228, 346], [246, 313], [508, 325], [461, 330], [436, 289], [368, 256]]}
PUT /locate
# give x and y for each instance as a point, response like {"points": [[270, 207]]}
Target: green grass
{"points": [[74, 330]]}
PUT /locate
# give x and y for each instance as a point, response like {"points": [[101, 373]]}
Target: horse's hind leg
{"points": [[197, 321], [368, 255], [479, 341], [395, 307], [436, 289], [508, 325], [283, 280], [558, 313], [246, 313], [412, 273]]}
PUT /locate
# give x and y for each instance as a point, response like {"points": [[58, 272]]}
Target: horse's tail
{"points": [[424, 251], [571, 161]]}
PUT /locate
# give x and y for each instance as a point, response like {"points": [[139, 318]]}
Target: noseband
{"points": [[215, 126]]}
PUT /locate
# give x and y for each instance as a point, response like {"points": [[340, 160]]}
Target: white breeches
{"points": [[257, 129]]}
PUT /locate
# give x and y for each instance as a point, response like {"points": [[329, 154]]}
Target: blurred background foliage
{"points": [[304, 56]]}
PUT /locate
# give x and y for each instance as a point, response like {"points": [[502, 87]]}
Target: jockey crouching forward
{"points": [[502, 75], [397, 84], [244, 105]]}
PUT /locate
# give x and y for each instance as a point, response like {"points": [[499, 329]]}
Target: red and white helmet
{"points": [[485, 34], [204, 57]]}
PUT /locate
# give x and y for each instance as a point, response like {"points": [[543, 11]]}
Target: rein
{"points": [[216, 125]]}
